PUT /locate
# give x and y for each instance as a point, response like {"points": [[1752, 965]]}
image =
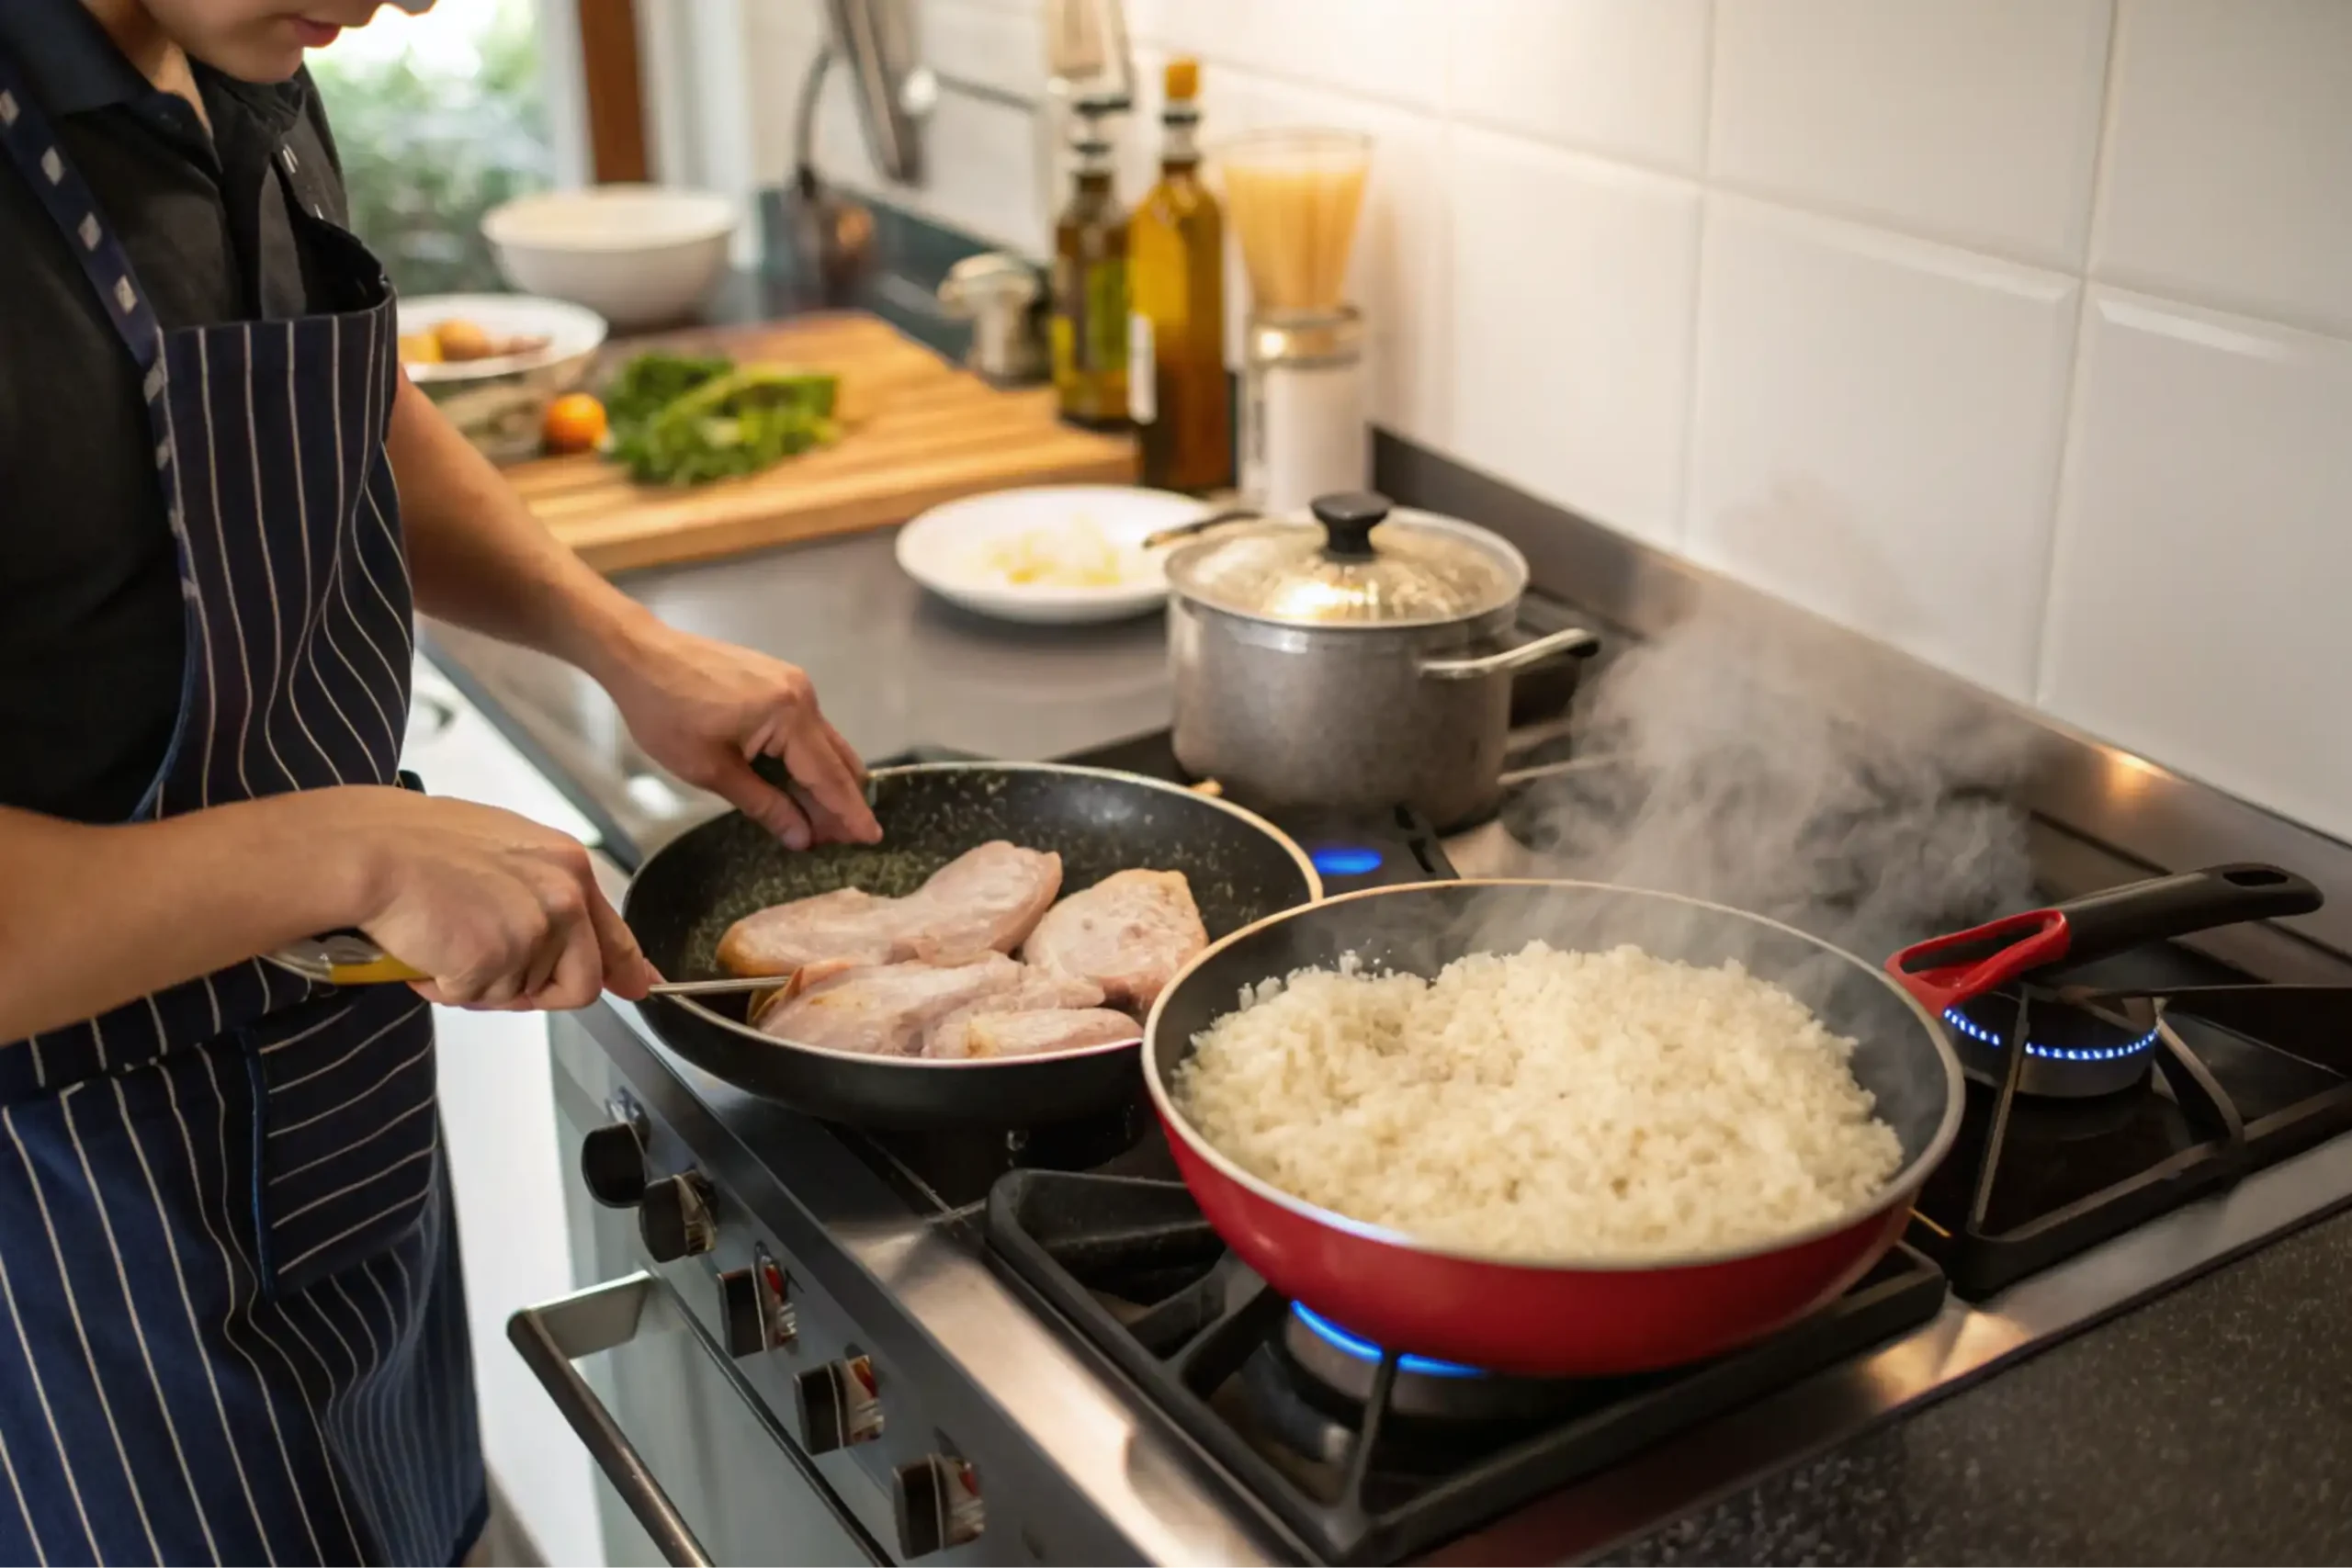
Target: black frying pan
{"points": [[1241, 869]]}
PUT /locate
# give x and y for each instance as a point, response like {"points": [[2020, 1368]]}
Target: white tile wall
{"points": [[1622, 77], [1875, 430], [1391, 50], [1571, 364], [1972, 121], [2199, 608], [2230, 141], [1832, 295]]}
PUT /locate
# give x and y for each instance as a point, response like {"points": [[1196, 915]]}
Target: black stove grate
{"points": [[1130, 1264], [2033, 1181]]}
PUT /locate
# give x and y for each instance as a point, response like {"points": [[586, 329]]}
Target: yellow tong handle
{"points": [[385, 971], [346, 959]]}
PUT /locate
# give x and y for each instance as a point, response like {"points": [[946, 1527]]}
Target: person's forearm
{"points": [[91, 918], [482, 560]]}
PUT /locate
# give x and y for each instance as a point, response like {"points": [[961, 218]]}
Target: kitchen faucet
{"points": [[875, 39], [1086, 55]]}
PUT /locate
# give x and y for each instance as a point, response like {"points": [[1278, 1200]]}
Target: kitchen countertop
{"points": [[894, 667], [2206, 1426], [2201, 1427]]}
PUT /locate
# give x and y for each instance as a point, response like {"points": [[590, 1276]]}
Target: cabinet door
{"points": [[506, 1167]]}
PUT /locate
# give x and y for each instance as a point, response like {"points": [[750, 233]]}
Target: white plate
{"points": [[958, 550], [572, 333]]}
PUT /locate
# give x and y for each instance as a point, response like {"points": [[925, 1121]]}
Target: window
{"points": [[442, 117]]}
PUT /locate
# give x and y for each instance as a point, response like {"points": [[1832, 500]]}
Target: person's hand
{"points": [[503, 913], [704, 709]]}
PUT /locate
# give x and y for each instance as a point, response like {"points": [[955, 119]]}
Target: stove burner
{"points": [[2071, 1052], [1346, 860], [1366, 1351], [1343, 1364], [2059, 1032]]}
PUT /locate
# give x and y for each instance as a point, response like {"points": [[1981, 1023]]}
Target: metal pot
{"points": [[1360, 662]]}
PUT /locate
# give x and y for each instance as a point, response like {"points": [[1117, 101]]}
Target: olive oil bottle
{"points": [[1090, 319], [1176, 391]]}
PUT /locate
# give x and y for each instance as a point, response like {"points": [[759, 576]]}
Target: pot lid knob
{"points": [[1347, 520]]}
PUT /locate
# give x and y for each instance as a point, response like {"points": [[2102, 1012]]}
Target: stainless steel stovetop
{"points": [[881, 1247], [885, 1262]]}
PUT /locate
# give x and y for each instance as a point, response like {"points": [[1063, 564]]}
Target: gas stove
{"points": [[1354, 1455], [1054, 1286]]}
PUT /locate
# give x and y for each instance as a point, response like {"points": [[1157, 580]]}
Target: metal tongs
{"points": [[346, 958]]}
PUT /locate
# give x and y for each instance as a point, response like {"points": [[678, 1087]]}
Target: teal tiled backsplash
{"points": [[912, 258]]}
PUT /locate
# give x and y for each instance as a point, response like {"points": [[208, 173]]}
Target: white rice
{"points": [[1576, 1106]]}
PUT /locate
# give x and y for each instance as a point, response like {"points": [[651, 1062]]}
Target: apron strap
{"points": [[32, 145]]}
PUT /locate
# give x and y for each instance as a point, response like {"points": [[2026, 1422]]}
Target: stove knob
{"points": [[840, 1404], [612, 1162], [674, 1218], [938, 1504], [754, 1309]]}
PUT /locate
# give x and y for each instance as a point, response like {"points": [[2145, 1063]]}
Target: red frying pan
{"points": [[1596, 1317]]}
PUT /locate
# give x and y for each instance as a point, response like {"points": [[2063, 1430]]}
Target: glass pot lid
{"points": [[1353, 566]]}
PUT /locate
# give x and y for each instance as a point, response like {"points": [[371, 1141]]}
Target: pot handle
{"points": [[1549, 648], [1945, 971]]}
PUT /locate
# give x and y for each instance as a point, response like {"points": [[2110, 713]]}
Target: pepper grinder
{"points": [[999, 295]]}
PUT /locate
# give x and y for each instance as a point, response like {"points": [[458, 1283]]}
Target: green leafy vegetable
{"points": [[682, 421]]}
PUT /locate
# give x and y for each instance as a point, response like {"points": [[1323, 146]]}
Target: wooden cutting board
{"points": [[916, 431]]}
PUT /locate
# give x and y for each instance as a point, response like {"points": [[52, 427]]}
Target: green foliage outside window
{"points": [[428, 148]]}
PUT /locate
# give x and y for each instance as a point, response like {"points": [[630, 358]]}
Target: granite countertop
{"points": [[2210, 1426], [2203, 1427]]}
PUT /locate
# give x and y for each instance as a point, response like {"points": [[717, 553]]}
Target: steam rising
{"points": [[1738, 768]]}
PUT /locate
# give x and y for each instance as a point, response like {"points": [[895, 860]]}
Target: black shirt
{"points": [[91, 635]]}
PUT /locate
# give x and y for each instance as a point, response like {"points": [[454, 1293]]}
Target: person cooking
{"points": [[231, 1324]]}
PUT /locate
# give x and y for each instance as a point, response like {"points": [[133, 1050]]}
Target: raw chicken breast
{"points": [[1037, 991], [1129, 933], [884, 1010], [1030, 1032], [986, 900], [845, 923]]}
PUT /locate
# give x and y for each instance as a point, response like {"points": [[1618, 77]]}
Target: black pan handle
{"points": [[1945, 971], [2141, 912]]}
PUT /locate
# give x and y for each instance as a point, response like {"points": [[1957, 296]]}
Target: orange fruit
{"points": [[575, 424]]}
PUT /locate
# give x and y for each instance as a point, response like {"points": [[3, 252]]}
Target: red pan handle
{"points": [[1946, 971]]}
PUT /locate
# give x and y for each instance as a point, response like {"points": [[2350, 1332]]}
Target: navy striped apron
{"points": [[232, 1322]]}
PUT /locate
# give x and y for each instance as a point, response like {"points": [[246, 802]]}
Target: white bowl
{"points": [[501, 404], [948, 550], [639, 255]]}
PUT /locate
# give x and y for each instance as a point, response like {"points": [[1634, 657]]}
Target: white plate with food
{"points": [[494, 363], [1054, 555]]}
